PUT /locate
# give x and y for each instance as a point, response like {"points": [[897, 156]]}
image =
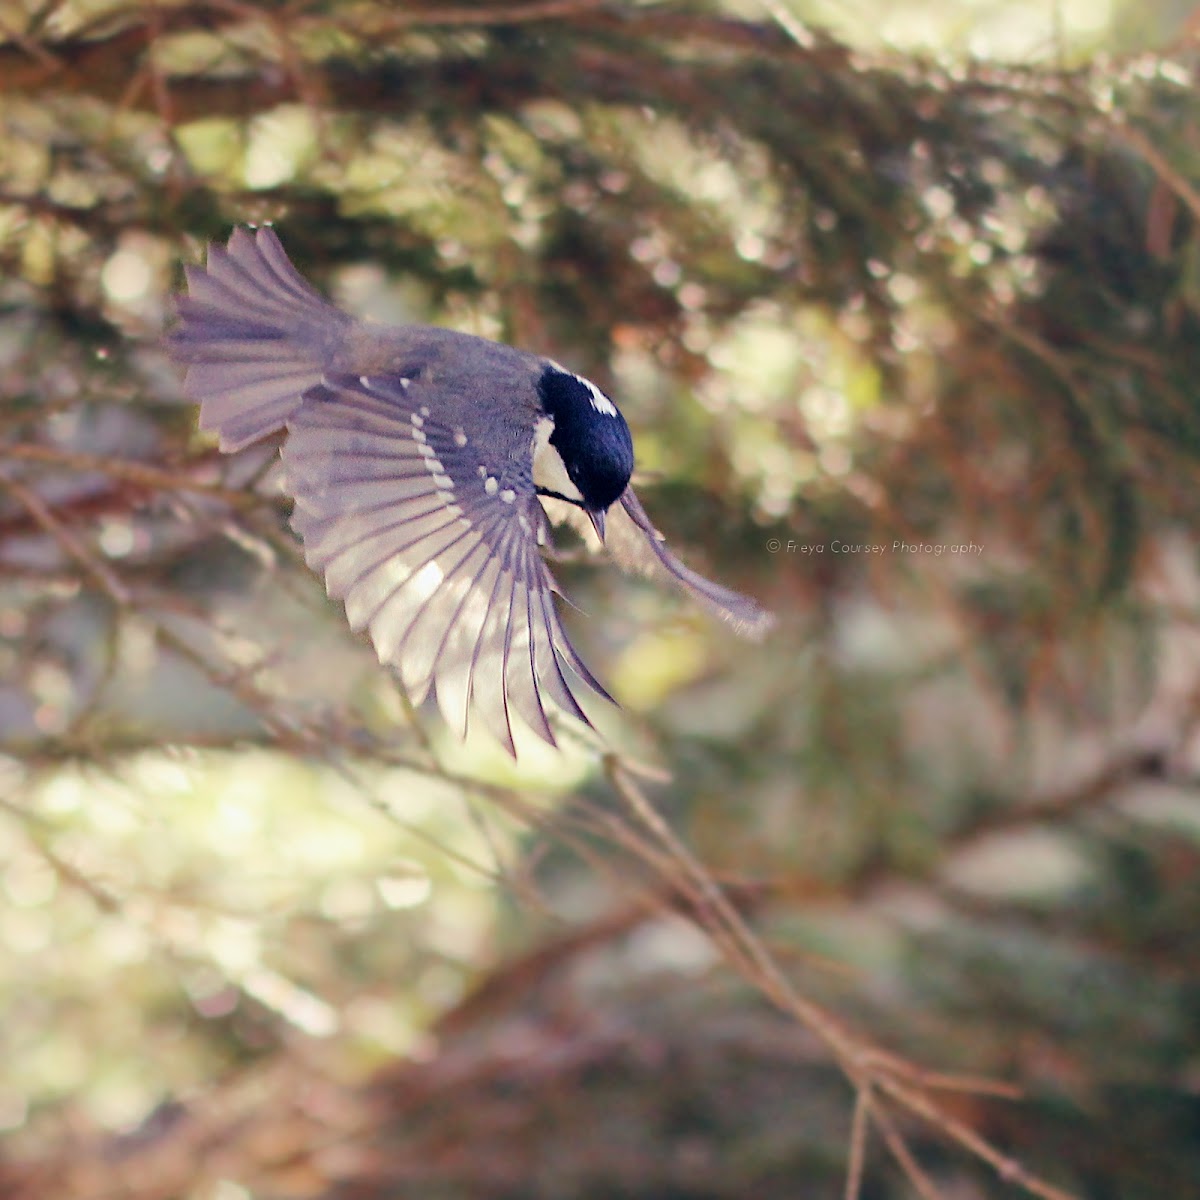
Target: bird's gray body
{"points": [[506, 409], [411, 452]]}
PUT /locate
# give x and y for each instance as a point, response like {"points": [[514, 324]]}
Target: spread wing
{"points": [[634, 544], [638, 546], [432, 543]]}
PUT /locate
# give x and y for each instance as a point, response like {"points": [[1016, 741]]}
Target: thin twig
{"points": [[1007, 1168], [895, 1142], [857, 1155], [73, 546], [142, 474]]}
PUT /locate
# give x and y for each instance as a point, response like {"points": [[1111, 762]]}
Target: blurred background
{"points": [[901, 301]]}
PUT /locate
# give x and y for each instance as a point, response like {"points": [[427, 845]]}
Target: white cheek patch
{"points": [[548, 469]]}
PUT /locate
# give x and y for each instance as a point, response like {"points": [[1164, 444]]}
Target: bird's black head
{"points": [[590, 435]]}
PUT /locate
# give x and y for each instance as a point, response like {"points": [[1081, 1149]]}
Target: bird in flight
{"points": [[418, 459]]}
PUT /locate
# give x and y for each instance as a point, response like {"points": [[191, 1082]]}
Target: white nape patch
{"points": [[600, 402], [548, 469]]}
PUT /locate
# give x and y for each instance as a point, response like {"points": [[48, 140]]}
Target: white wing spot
{"points": [[482, 471], [460, 438], [443, 481], [419, 436], [508, 495], [491, 486], [365, 381], [417, 421], [433, 464], [424, 410]]}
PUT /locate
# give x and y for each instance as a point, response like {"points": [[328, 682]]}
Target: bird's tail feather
{"points": [[253, 335]]}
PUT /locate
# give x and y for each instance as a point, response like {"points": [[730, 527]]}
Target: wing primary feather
{"points": [[473, 661], [510, 607], [499, 679], [370, 485], [746, 616], [314, 477], [514, 546], [479, 532], [580, 668], [368, 617], [380, 545], [557, 683], [535, 712], [353, 394], [451, 624], [342, 575], [447, 575], [399, 523], [333, 410], [331, 455], [452, 669], [417, 650]]}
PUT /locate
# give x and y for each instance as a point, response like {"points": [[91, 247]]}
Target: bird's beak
{"points": [[597, 516]]}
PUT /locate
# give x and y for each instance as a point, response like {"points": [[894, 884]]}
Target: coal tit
{"points": [[419, 459]]}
